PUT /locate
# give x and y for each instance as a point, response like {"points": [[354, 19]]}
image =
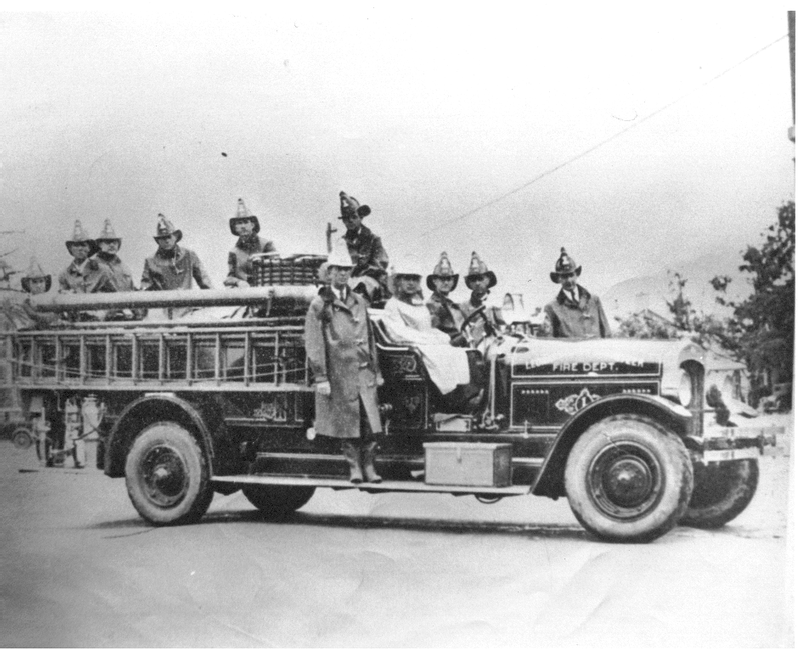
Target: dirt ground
{"points": [[79, 568]]}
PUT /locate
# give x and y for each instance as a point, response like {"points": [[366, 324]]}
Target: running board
{"points": [[386, 485]]}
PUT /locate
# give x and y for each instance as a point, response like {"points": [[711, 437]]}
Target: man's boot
{"points": [[352, 454], [368, 452]]}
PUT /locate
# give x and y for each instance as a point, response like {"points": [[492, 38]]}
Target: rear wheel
{"points": [[167, 475], [628, 479], [277, 501], [721, 492]]}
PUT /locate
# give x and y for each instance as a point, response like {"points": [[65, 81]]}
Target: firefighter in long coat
{"points": [[370, 261], [445, 314], [575, 313], [246, 227], [341, 351], [480, 280]]}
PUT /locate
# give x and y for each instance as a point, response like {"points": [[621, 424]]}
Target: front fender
{"points": [[144, 411], [550, 481]]}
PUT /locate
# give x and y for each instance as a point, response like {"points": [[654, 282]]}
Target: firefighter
{"points": [[341, 352], [84, 274], [445, 314], [122, 276], [480, 280], [407, 320], [23, 314], [369, 258], [172, 267], [245, 226], [575, 313], [109, 244]]}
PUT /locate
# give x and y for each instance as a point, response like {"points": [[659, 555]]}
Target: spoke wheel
{"points": [[628, 479], [167, 475]]}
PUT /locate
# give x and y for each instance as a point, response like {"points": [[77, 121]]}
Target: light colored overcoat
{"points": [[341, 350]]}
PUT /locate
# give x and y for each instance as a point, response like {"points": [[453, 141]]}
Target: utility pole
{"points": [[329, 236]]}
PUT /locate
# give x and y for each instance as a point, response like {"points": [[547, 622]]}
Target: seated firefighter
{"points": [[246, 227], [407, 319], [85, 274], [486, 318], [369, 258], [341, 352], [446, 315], [23, 314]]}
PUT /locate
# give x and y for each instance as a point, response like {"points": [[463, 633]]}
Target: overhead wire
{"points": [[596, 146]]}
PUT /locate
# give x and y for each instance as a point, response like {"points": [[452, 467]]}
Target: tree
{"points": [[763, 323]]}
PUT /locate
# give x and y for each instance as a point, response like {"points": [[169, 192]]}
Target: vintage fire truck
{"points": [[222, 399]]}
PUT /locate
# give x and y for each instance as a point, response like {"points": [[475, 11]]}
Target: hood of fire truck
{"points": [[548, 358]]}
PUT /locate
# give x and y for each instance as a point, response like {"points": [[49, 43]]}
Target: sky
{"points": [[638, 139]]}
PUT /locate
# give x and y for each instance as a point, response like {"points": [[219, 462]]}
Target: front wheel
{"points": [[168, 476], [277, 501], [721, 492], [628, 479]]}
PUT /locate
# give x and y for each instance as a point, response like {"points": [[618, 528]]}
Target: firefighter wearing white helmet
{"points": [[575, 313], [246, 227], [341, 352]]}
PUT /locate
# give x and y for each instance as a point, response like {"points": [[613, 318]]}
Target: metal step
{"points": [[386, 485]]}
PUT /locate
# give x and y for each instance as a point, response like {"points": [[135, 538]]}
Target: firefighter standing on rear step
{"points": [[341, 352]]}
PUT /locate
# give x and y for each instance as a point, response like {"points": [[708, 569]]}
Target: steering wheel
{"points": [[480, 312]]}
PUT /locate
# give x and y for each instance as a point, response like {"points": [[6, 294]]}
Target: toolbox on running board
{"points": [[468, 464]]}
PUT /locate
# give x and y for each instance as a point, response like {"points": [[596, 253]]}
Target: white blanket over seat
{"points": [[411, 324]]}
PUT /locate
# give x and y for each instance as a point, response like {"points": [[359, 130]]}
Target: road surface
{"points": [[79, 568]]}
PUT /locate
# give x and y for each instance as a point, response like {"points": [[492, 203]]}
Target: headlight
{"points": [[685, 389]]}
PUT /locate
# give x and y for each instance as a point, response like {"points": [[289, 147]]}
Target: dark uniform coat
{"points": [[494, 317], [340, 349], [239, 264], [446, 316], [121, 275], [368, 255], [91, 278], [173, 270], [566, 318]]}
